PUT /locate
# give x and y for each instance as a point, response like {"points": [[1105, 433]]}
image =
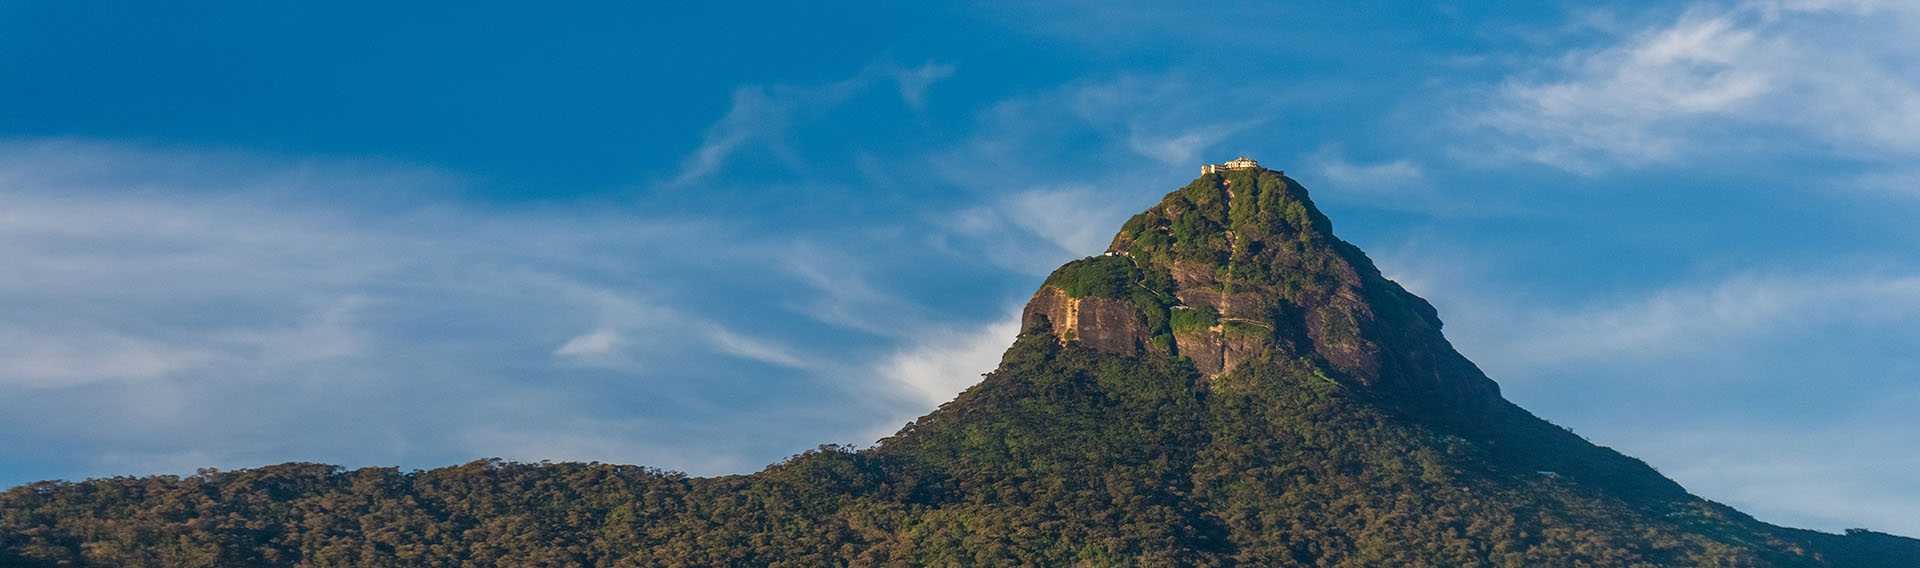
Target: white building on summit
{"points": [[1241, 164]]}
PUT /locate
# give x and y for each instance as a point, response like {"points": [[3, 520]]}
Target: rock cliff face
{"points": [[1106, 324], [1240, 265]]}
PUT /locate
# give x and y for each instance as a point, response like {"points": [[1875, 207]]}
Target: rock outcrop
{"points": [[1110, 325], [1239, 265]]}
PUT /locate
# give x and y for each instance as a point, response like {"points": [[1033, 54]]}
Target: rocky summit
{"points": [[1239, 266], [1230, 384]]}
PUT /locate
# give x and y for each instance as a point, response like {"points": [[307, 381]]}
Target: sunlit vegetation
{"points": [[1190, 319]]}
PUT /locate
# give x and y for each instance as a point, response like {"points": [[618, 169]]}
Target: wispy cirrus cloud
{"points": [[1706, 81], [914, 81], [31, 359], [1686, 320], [1384, 177], [943, 362], [1165, 118], [763, 116], [1400, 183], [1517, 333]]}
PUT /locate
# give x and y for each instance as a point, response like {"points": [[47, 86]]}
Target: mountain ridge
{"points": [[1230, 384]]}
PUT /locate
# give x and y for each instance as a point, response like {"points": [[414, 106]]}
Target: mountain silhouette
{"points": [[1230, 384]]}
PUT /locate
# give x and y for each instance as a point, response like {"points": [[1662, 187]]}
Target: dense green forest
{"points": [[1343, 432]]}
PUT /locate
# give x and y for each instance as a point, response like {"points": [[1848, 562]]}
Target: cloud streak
{"points": [[1680, 320], [941, 364], [1702, 82], [763, 116], [33, 360]]}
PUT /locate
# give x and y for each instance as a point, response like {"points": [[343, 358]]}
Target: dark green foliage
{"points": [[1862, 547], [1234, 222], [1099, 277], [1188, 319], [1153, 296]]}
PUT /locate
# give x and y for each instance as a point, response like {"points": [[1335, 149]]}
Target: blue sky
{"points": [[708, 238]]}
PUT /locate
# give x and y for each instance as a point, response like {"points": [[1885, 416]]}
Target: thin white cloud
{"points": [[842, 295], [764, 115], [1181, 148], [914, 81], [1384, 177], [1166, 118], [991, 233], [1516, 335], [30, 359], [944, 362], [1396, 184], [327, 331], [760, 350], [1033, 231], [755, 116], [596, 343], [1069, 217], [1897, 182], [1677, 321], [1629, 103], [1832, 72]]}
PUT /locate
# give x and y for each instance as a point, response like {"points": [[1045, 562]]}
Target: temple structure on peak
{"points": [[1241, 164]]}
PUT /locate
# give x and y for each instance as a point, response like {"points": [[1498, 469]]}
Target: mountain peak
{"points": [[1240, 265]]}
